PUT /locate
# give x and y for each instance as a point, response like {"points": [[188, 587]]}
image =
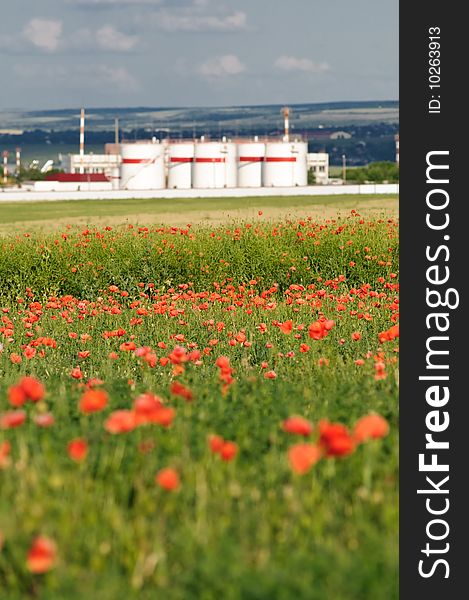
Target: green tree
{"points": [[376, 172]]}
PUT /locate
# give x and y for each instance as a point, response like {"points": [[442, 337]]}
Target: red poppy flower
{"points": [[77, 449], [33, 389], [42, 555], [16, 396], [163, 416], [76, 373], [223, 362], [15, 358], [303, 456], [370, 427], [316, 331], [168, 479], [29, 352], [120, 421], [216, 443], [335, 439], [146, 404], [340, 446], [380, 370], [286, 327], [177, 389], [93, 401], [228, 451], [297, 426], [319, 329], [44, 420], [12, 418], [270, 375], [127, 346], [389, 335]]}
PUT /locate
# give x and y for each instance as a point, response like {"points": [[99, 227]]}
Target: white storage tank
{"points": [[300, 151], [181, 156], [142, 166], [231, 164], [115, 178], [250, 159], [214, 165], [279, 165]]}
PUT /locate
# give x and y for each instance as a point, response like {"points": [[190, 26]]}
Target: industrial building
{"points": [[200, 164], [184, 164], [91, 163], [318, 162], [74, 182]]}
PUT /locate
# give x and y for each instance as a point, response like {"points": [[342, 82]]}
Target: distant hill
{"points": [[371, 125], [234, 118]]}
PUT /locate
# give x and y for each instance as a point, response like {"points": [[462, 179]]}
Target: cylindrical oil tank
{"points": [[300, 152], [250, 159], [115, 178], [142, 166], [231, 171], [181, 156], [214, 165], [279, 165]]}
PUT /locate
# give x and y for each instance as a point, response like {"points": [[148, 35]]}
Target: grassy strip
{"points": [[17, 212]]}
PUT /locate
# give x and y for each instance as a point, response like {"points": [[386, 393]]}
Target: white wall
{"points": [[13, 194], [71, 186]]}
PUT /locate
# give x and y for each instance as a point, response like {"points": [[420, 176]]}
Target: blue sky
{"points": [[97, 53]]}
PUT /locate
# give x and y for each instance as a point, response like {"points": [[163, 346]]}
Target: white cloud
{"points": [[119, 77], [189, 21], [221, 66], [43, 33], [108, 38], [305, 65], [82, 77]]}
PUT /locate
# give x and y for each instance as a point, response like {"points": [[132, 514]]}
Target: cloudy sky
{"points": [[97, 53]]}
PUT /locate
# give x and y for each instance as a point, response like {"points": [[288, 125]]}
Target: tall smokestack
{"points": [[5, 166], [286, 117], [82, 140], [18, 161]]}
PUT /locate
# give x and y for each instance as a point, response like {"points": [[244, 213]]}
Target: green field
{"points": [[57, 213], [135, 309]]}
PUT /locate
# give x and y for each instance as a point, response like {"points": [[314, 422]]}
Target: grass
{"points": [[20, 212], [248, 528], [337, 171]]}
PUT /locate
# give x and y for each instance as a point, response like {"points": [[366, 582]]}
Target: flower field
{"points": [[200, 413]]}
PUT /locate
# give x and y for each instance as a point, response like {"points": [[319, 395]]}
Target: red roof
{"points": [[77, 177]]}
